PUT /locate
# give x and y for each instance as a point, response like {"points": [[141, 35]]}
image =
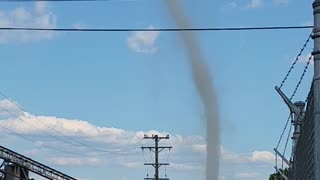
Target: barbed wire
{"points": [[301, 77], [295, 62]]}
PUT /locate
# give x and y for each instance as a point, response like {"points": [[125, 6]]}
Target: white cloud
{"points": [[144, 41], [262, 156], [256, 157], [249, 175], [255, 4], [305, 58], [39, 17], [41, 7], [11, 107], [201, 148], [79, 161], [28, 124], [188, 153], [131, 164], [186, 166], [280, 2]]}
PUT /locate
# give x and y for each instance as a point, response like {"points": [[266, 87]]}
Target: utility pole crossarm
{"points": [[160, 147], [156, 149], [155, 165], [154, 136]]}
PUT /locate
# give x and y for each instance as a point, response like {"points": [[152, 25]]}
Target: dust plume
{"points": [[203, 83]]}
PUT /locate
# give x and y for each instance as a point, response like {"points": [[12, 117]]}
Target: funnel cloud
{"points": [[203, 82]]}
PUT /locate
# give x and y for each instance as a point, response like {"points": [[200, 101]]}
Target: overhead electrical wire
{"points": [[70, 140], [36, 142], [56, 0], [154, 29]]}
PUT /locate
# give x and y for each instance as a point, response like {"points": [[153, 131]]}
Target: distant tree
{"points": [[277, 175]]}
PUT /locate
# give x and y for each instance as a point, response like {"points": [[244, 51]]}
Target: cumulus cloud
{"points": [[186, 166], [249, 175], [39, 17], [79, 161], [201, 148], [131, 164], [144, 41], [9, 106], [255, 4], [255, 157], [115, 138], [188, 153]]}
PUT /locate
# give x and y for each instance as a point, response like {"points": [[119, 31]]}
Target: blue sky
{"points": [[141, 81]]}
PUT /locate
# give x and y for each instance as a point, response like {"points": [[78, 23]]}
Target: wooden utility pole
{"points": [[156, 149]]}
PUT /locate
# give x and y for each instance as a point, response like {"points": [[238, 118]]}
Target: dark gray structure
{"points": [[17, 167], [316, 91], [305, 162]]}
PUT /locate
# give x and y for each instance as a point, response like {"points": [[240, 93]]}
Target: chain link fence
{"points": [[303, 159]]}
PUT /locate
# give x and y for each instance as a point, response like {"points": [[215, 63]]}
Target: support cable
{"points": [[279, 141], [288, 137], [283, 131]]}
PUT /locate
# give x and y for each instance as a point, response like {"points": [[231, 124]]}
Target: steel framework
{"points": [[26, 164]]}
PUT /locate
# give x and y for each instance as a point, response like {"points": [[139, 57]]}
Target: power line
{"points": [[36, 142], [54, 0], [70, 140], [155, 29], [26, 122], [44, 145]]}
